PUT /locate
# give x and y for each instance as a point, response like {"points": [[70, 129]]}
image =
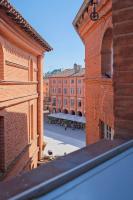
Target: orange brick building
{"points": [[98, 40], [46, 93], [21, 93], [67, 91]]}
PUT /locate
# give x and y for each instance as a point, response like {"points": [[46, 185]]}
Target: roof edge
{"points": [[80, 12], [15, 16]]}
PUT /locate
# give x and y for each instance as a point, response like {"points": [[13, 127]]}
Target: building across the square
{"points": [[98, 40], [46, 94], [67, 91], [21, 93]]}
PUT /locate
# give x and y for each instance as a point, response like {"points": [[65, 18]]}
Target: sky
{"points": [[53, 21]]}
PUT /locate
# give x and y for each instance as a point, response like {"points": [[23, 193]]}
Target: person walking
{"points": [[65, 127]]}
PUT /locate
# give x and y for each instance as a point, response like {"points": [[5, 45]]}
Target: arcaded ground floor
{"points": [[61, 141]]}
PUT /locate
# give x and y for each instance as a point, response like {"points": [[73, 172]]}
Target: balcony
{"points": [[88, 172]]}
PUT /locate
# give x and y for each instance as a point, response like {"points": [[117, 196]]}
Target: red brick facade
{"points": [[123, 68], [46, 94], [21, 96], [67, 92], [98, 41]]}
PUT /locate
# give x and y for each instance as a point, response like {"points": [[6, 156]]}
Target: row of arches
{"points": [[65, 111], [72, 112]]}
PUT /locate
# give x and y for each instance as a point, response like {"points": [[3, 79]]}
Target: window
{"points": [[79, 81], [106, 131], [79, 103], [65, 102], [72, 102], [54, 102], [54, 81], [65, 91], [72, 81], [72, 90], [65, 81], [54, 90], [79, 90]]}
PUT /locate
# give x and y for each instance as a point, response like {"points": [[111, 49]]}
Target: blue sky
{"points": [[53, 20]]}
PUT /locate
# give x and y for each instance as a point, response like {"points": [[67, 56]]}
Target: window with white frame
{"points": [[79, 90], [54, 101], [106, 131], [72, 81], [79, 81], [72, 102], [79, 103], [72, 90], [65, 91], [65, 102]]}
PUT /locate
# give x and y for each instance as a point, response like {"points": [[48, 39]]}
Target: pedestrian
{"points": [[65, 127]]}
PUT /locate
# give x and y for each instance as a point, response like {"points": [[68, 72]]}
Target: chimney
{"points": [[77, 68]]}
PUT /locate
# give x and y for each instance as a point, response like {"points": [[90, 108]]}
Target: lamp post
{"points": [[94, 16]]}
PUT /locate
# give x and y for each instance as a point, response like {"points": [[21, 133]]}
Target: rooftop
{"points": [[77, 70], [17, 18]]}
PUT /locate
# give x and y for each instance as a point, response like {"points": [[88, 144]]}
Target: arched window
{"points": [[79, 113], [1, 63], [107, 54], [65, 111], [72, 112]]}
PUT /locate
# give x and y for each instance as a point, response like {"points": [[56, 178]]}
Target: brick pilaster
{"points": [[123, 67]]}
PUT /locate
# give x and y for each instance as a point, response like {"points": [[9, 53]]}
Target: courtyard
{"points": [[61, 141]]}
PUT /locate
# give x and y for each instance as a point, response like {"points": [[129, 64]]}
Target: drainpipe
{"points": [[40, 106]]}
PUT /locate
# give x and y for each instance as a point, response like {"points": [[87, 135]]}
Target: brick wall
{"points": [[98, 41], [123, 67], [1, 64], [21, 90], [2, 145]]}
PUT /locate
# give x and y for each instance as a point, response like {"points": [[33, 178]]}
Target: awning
{"points": [[68, 117]]}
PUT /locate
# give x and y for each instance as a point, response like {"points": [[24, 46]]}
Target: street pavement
{"points": [[62, 142]]}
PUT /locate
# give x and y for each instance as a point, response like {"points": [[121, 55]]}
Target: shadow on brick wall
{"points": [[16, 143]]}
